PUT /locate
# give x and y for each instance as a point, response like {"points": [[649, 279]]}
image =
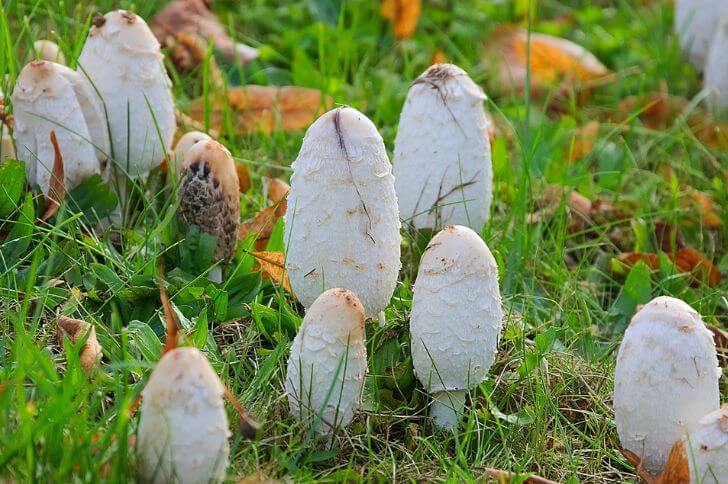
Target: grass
{"points": [[546, 407]]}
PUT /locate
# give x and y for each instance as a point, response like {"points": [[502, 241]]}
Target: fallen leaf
{"points": [[278, 190], [720, 338], [404, 14], [264, 221], [273, 266], [584, 140], [504, 477], [193, 18], [243, 177], [172, 326], [57, 191], [438, 58], [686, 260], [248, 426], [553, 62], [264, 108], [75, 330], [707, 209]]}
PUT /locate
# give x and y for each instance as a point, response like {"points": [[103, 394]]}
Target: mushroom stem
{"points": [[446, 407], [382, 318]]}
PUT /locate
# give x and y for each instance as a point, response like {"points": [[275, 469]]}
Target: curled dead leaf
{"points": [[261, 226], [57, 191], [264, 108], [278, 190], [676, 470], [404, 15], [273, 266], [171, 324], [76, 330]]}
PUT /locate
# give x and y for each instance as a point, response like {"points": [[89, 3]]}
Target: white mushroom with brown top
{"points": [[328, 362], [456, 319], [341, 222], [187, 141], [442, 162], [183, 429], [666, 379]]}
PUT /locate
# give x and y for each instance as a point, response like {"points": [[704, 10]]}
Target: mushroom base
{"points": [[446, 407]]}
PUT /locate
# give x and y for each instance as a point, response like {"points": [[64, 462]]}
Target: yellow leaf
{"points": [[273, 266], [404, 14]]}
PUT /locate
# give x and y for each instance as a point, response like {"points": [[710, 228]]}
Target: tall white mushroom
{"points": [[51, 97], [342, 226], [123, 60], [183, 429], [666, 379], [328, 362], [715, 80], [695, 23], [442, 165], [456, 319]]}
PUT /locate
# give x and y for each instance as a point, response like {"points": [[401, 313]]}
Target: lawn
{"points": [[585, 178]]}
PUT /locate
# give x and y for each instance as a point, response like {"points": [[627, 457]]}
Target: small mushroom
{"points": [[187, 141], [442, 163], [209, 197], [706, 448], [328, 362], [47, 50], [456, 319], [76, 330], [341, 222], [696, 22], [51, 97], [123, 60], [183, 429], [715, 80], [666, 379]]}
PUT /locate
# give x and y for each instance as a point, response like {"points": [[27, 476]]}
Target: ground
{"points": [[545, 409]]}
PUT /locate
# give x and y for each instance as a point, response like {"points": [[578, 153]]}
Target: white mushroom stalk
{"points": [[696, 22], [51, 97], [456, 320], [122, 59], [183, 429], [342, 225], [328, 362], [666, 379], [715, 80], [442, 163]]}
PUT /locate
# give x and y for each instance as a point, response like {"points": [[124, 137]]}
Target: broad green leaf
{"points": [[12, 181]]}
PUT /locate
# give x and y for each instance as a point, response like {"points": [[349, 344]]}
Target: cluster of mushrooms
{"points": [[342, 233]]}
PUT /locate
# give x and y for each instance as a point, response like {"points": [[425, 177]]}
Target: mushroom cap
{"points": [[696, 22], [707, 448], [50, 97], [715, 80], [328, 362], [48, 50], [183, 429], [187, 141], [666, 378], [122, 59], [442, 163], [218, 159], [342, 225], [456, 317]]}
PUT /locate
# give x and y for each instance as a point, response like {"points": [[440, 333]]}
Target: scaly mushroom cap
{"points": [[123, 60], [715, 80], [707, 448], [456, 317], [209, 195], [442, 164], [50, 97], [328, 362], [49, 51], [187, 141], [183, 430], [696, 22], [342, 226], [666, 379]]}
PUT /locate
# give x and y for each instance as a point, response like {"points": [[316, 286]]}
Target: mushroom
{"points": [[328, 362], [76, 330], [122, 58], [666, 379], [696, 22], [51, 97], [341, 221], [209, 197], [47, 50], [706, 448], [456, 319], [187, 141], [183, 429], [442, 167], [715, 80]]}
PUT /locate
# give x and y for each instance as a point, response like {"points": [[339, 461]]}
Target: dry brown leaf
{"points": [[438, 58], [686, 260], [264, 221], [264, 108], [720, 338], [584, 140], [553, 62], [75, 330], [278, 190], [504, 477], [243, 177], [707, 209], [57, 190], [172, 326], [190, 19], [676, 470], [404, 14], [273, 266]]}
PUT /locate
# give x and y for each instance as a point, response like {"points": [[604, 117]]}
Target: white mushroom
{"points": [[456, 319], [51, 97], [706, 448], [342, 226], [666, 379], [328, 362], [183, 429], [695, 23], [442, 165], [48, 50], [715, 80], [122, 59]]}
